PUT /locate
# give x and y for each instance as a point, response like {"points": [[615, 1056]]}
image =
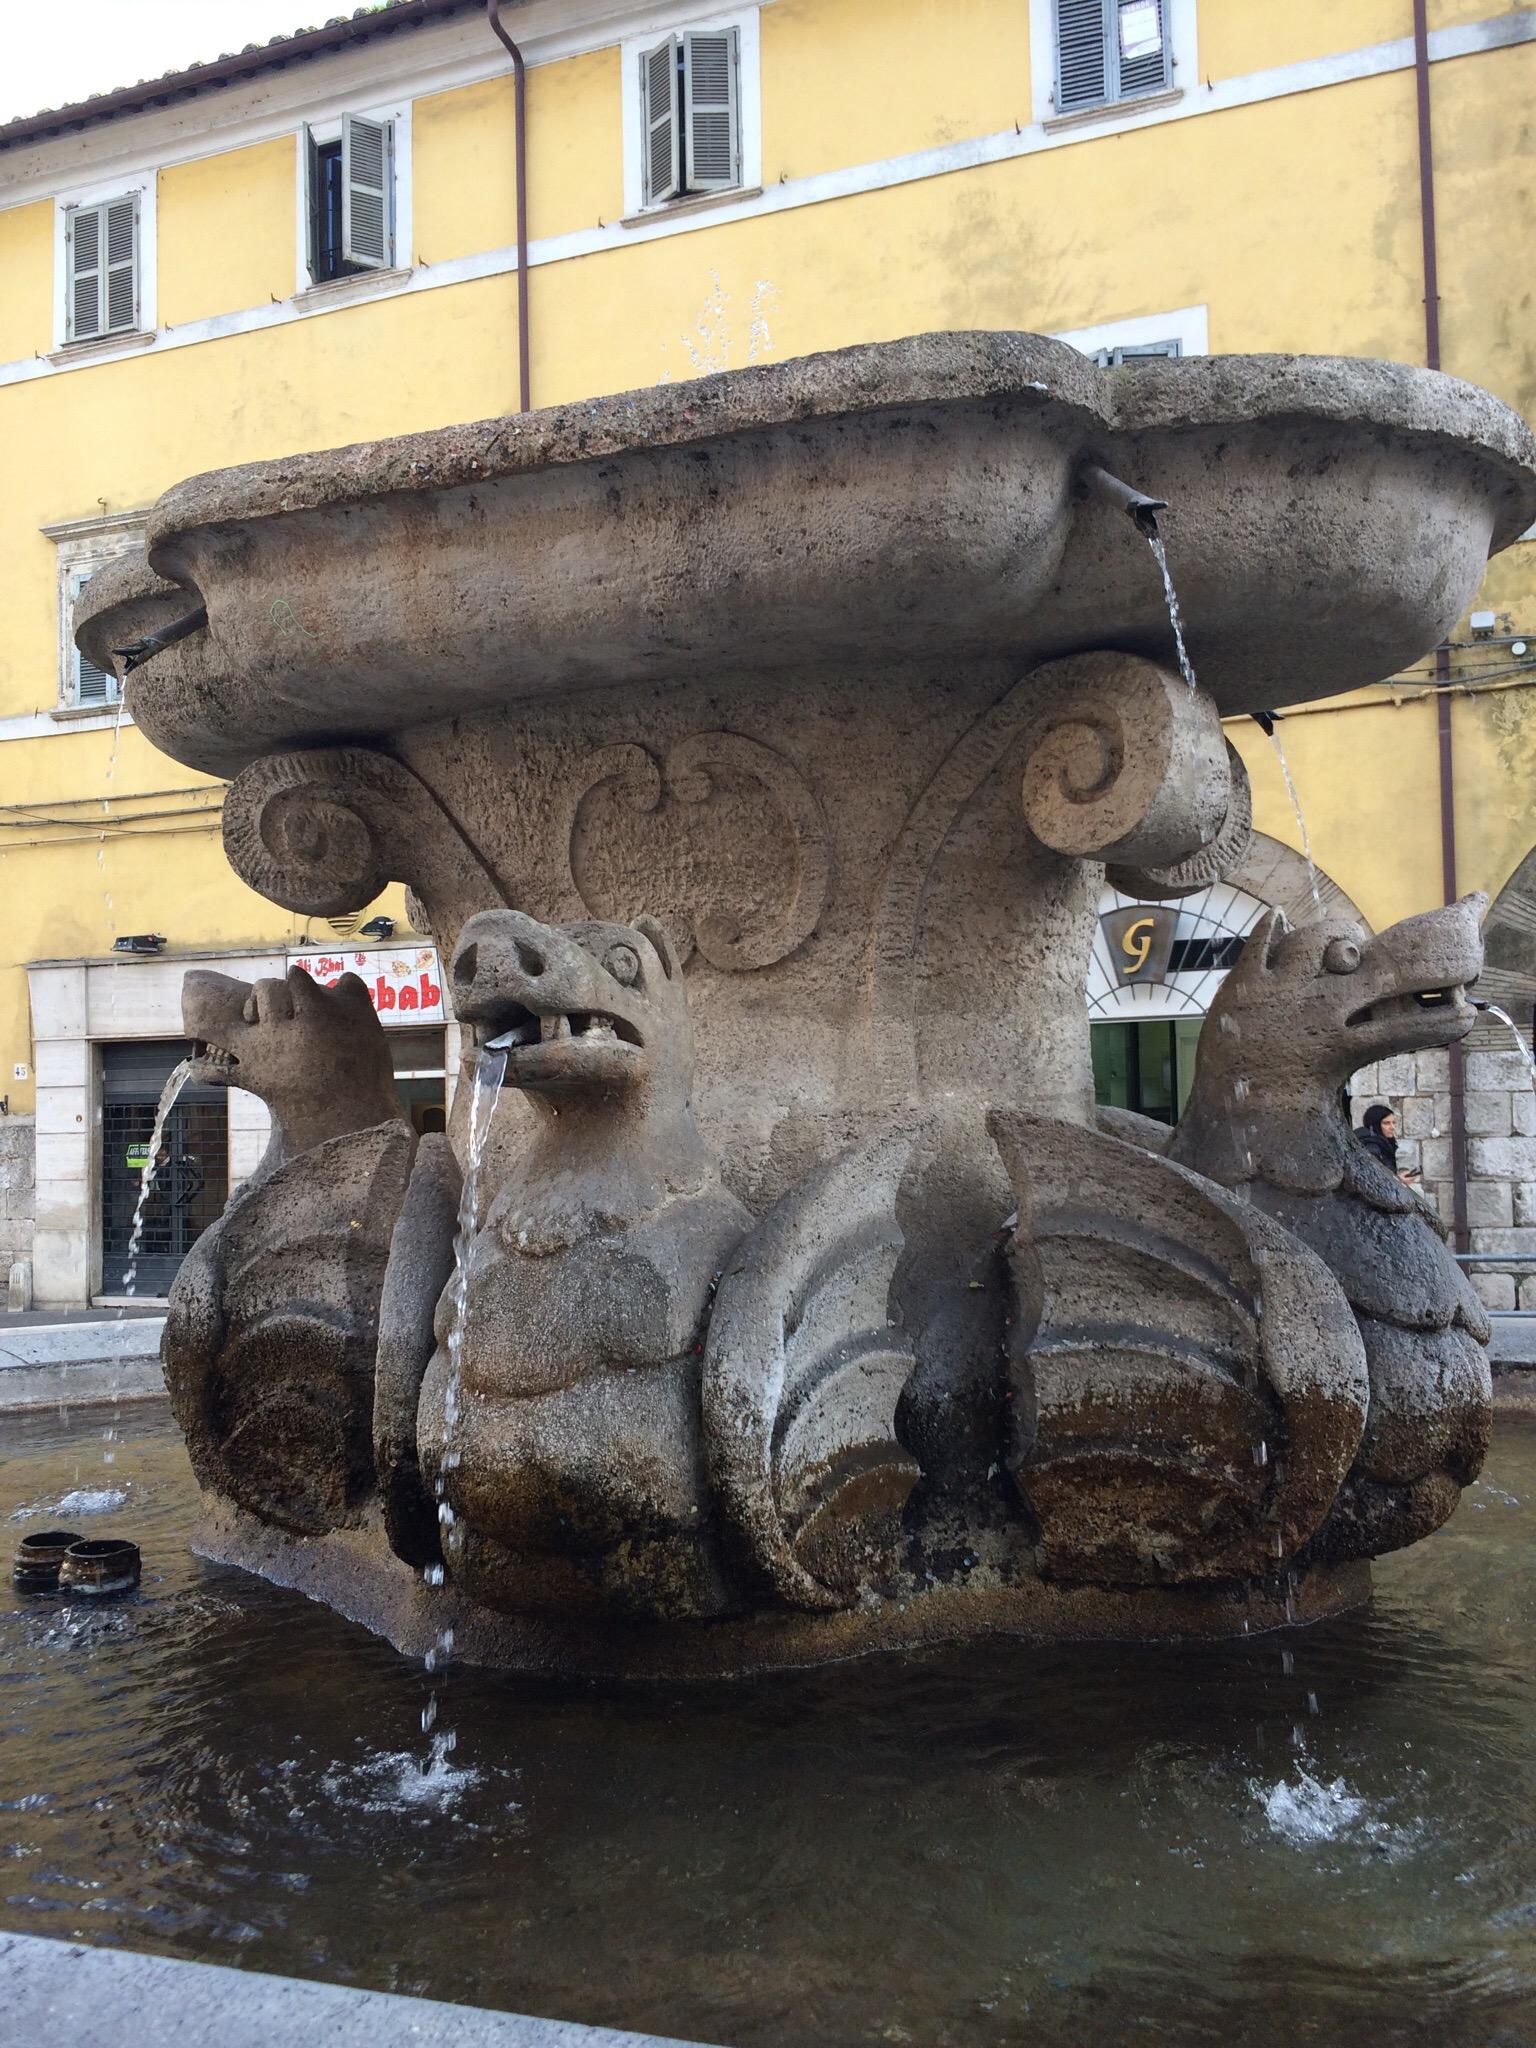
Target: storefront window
{"points": [[1146, 1066]]}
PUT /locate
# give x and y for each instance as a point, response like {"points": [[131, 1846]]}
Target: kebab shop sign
{"points": [[405, 982]]}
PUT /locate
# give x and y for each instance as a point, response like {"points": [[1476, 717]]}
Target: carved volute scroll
{"points": [[1216, 862], [745, 890], [1120, 761], [1128, 764], [322, 831]]}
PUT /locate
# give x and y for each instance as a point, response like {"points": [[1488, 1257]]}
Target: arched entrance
{"points": [[1156, 967]]}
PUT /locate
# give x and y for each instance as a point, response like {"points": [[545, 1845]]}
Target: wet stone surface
{"points": [[1005, 1843]]}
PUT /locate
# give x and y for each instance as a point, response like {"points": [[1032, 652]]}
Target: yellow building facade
{"points": [[315, 243]]}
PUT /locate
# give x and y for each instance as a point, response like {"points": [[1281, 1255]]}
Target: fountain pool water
{"points": [[979, 1846]]}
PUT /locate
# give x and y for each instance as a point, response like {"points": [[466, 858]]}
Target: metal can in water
{"points": [[35, 1567], [106, 1564]]}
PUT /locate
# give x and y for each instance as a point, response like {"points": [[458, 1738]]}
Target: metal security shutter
{"points": [[92, 684], [1109, 50], [365, 177], [1082, 54], [102, 260], [710, 98], [661, 113], [190, 1184]]}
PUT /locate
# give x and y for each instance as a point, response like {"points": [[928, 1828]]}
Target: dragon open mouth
{"points": [[216, 1057], [520, 1027], [1450, 996]]}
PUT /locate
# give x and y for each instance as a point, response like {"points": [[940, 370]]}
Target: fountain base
{"points": [[354, 1572]]}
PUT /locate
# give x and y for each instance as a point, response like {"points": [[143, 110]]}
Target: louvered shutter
{"points": [[92, 685], [661, 113], [122, 267], [1082, 54], [102, 247], [710, 102], [313, 197], [83, 239], [1141, 47], [365, 169]]}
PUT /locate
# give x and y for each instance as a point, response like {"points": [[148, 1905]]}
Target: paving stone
{"points": [[56, 1991]]}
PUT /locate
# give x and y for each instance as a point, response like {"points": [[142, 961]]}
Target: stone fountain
{"points": [[755, 751]]}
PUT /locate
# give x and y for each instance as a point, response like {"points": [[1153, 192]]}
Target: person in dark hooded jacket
{"points": [[1378, 1134]]}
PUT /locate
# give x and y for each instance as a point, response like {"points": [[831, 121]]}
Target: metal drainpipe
{"points": [[520, 89], [1442, 655]]}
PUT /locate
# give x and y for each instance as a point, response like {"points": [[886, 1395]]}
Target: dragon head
{"points": [[317, 1057], [1303, 1009], [585, 1011]]}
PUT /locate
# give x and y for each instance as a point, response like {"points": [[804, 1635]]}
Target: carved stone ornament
{"points": [[1217, 861], [722, 839], [323, 831], [1127, 764]]}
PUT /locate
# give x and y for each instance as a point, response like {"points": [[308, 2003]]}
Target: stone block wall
{"points": [[1501, 1152], [18, 1189]]}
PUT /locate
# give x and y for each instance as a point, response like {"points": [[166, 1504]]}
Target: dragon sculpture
{"points": [[272, 1326]]}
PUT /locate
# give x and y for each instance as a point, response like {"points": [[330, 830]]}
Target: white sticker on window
{"points": [[1141, 29]]}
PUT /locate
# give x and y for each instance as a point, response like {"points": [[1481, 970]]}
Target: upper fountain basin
{"points": [[1328, 520]]}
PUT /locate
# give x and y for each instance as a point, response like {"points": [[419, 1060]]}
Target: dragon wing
{"points": [[1189, 1382], [802, 1372]]}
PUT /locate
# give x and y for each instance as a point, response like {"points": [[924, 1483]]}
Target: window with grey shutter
{"points": [[661, 106], [366, 225], [102, 257], [1108, 358], [710, 105], [91, 685], [690, 105], [1110, 50]]}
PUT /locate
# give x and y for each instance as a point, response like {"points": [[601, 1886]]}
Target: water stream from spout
{"points": [[1301, 823], [1171, 599], [1514, 1031], [485, 1086], [175, 1082]]}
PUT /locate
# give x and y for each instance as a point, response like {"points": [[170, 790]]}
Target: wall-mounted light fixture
{"points": [[378, 928], [139, 942]]}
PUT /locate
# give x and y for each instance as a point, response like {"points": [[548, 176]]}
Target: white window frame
{"points": [[1180, 25], [87, 544], [140, 187], [362, 283], [1189, 326], [682, 20]]}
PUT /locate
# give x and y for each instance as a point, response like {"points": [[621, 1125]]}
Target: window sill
{"points": [[698, 202], [101, 347], [341, 291], [1113, 110], [76, 714]]}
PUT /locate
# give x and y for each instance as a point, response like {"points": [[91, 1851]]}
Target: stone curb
{"points": [[56, 1991], [44, 1365]]}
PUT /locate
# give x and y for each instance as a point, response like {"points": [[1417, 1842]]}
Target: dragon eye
{"points": [[1341, 956], [623, 963]]}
